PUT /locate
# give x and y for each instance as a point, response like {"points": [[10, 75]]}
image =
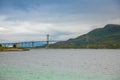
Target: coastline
{"points": [[14, 49]]}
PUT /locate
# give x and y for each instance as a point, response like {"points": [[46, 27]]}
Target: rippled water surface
{"points": [[60, 64]]}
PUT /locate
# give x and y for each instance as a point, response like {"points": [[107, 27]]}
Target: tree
{"points": [[0, 45], [14, 46]]}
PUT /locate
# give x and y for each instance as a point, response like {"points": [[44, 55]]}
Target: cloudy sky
{"points": [[30, 20]]}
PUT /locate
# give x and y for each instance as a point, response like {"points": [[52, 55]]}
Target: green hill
{"points": [[107, 37]]}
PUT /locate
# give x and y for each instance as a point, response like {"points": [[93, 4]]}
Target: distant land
{"points": [[106, 37]]}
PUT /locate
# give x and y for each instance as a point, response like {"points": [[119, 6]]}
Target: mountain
{"points": [[106, 37]]}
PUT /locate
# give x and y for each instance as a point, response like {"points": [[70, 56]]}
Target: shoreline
{"points": [[14, 49]]}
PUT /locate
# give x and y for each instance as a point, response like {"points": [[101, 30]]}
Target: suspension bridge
{"points": [[30, 44]]}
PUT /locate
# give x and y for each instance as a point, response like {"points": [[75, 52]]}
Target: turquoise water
{"points": [[73, 64]]}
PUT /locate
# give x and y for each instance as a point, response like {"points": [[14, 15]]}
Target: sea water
{"points": [[60, 64]]}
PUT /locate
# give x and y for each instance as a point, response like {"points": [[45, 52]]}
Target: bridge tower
{"points": [[47, 41]]}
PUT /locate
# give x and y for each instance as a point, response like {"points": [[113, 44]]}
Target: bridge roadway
{"points": [[28, 43]]}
